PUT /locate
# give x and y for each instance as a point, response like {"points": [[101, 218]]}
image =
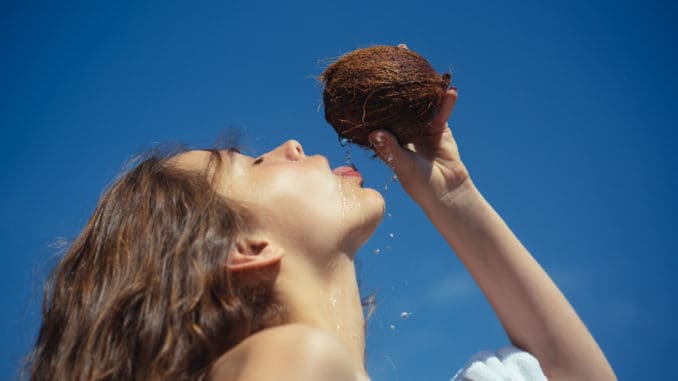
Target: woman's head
{"points": [[142, 292], [145, 291], [297, 202]]}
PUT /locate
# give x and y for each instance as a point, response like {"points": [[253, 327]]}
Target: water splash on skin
{"points": [[389, 160], [358, 205], [349, 202], [344, 201]]}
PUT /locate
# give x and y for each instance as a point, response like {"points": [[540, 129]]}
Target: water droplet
{"points": [[390, 159], [405, 314], [376, 251], [392, 326], [385, 187], [389, 215], [333, 301], [344, 142], [391, 235], [394, 178], [387, 248]]}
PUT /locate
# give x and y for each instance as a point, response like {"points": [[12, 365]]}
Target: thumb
{"points": [[386, 146]]}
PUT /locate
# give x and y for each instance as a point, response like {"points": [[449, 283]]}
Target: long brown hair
{"points": [[142, 293]]}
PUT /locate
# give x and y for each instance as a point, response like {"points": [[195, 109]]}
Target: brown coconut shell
{"points": [[382, 87]]}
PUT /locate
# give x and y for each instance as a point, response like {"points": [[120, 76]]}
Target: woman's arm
{"points": [[533, 311]]}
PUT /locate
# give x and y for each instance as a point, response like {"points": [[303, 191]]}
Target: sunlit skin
{"points": [[309, 222], [313, 220], [293, 194]]}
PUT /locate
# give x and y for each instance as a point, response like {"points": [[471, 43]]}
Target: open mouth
{"points": [[348, 171]]}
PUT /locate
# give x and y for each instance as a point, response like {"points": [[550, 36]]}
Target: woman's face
{"points": [[297, 199]]}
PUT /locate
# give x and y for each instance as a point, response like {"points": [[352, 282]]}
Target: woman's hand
{"points": [[430, 168], [534, 312]]}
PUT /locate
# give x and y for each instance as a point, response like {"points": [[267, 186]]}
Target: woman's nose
{"points": [[291, 150]]}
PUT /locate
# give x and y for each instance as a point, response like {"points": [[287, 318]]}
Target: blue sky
{"points": [[566, 119]]}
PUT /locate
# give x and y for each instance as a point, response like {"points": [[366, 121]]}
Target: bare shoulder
{"points": [[288, 352]]}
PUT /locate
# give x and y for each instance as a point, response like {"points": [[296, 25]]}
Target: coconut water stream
{"points": [[391, 236]]}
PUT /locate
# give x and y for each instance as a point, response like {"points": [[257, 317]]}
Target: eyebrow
{"points": [[234, 156]]}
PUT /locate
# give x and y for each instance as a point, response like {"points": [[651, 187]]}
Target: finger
{"points": [[446, 106], [386, 146]]}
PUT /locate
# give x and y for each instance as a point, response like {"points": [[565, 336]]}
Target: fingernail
{"points": [[377, 140]]}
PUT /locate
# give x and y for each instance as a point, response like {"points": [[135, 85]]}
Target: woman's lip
{"points": [[347, 172]]}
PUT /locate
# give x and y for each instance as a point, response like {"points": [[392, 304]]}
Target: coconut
{"points": [[382, 87]]}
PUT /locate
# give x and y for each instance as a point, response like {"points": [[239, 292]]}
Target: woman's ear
{"points": [[253, 255]]}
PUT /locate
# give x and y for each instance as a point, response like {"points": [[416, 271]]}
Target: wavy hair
{"points": [[143, 293]]}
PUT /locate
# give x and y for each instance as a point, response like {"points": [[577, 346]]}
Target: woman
{"points": [[218, 266]]}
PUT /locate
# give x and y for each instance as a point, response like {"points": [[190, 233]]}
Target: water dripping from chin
{"points": [[344, 202], [359, 206], [349, 202]]}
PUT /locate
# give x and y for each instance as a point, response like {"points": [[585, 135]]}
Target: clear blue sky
{"points": [[566, 118]]}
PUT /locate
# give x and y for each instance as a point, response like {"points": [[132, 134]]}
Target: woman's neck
{"points": [[329, 300]]}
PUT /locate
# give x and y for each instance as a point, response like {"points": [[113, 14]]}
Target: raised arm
{"points": [[533, 311]]}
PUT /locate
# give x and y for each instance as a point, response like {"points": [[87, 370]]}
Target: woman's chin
{"points": [[372, 213], [375, 197]]}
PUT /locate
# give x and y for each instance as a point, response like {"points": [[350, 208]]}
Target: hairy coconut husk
{"points": [[382, 87]]}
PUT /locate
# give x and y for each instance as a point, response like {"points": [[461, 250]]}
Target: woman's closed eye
{"points": [[258, 160]]}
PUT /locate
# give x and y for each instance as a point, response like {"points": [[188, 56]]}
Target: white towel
{"points": [[506, 364]]}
